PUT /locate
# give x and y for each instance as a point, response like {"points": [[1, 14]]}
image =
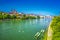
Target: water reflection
{"points": [[22, 29]]}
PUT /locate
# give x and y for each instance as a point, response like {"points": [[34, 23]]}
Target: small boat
{"points": [[37, 35], [42, 30]]}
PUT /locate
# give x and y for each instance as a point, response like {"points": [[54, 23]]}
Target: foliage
{"points": [[55, 25], [4, 15], [56, 28], [38, 17]]}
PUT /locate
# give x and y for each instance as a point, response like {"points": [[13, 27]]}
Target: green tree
{"points": [[1, 16], [8, 16], [38, 17]]}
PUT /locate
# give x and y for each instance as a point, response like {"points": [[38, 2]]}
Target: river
{"points": [[22, 29]]}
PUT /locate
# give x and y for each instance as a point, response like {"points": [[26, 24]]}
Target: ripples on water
{"points": [[22, 29]]}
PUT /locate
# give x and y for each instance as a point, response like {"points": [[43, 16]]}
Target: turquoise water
{"points": [[22, 29]]}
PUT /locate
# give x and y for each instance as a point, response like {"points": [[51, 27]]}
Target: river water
{"points": [[22, 29]]}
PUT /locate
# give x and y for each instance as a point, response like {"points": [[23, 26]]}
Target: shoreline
{"points": [[53, 30], [49, 32]]}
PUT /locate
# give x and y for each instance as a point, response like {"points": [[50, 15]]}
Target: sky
{"points": [[40, 7]]}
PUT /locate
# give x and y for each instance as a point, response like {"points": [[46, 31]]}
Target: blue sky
{"points": [[41, 7]]}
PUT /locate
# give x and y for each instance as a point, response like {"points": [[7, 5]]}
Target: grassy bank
{"points": [[55, 27]]}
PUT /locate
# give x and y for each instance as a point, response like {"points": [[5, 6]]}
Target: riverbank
{"points": [[49, 33], [53, 30]]}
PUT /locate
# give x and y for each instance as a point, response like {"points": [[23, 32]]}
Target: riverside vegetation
{"points": [[54, 28], [15, 15]]}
